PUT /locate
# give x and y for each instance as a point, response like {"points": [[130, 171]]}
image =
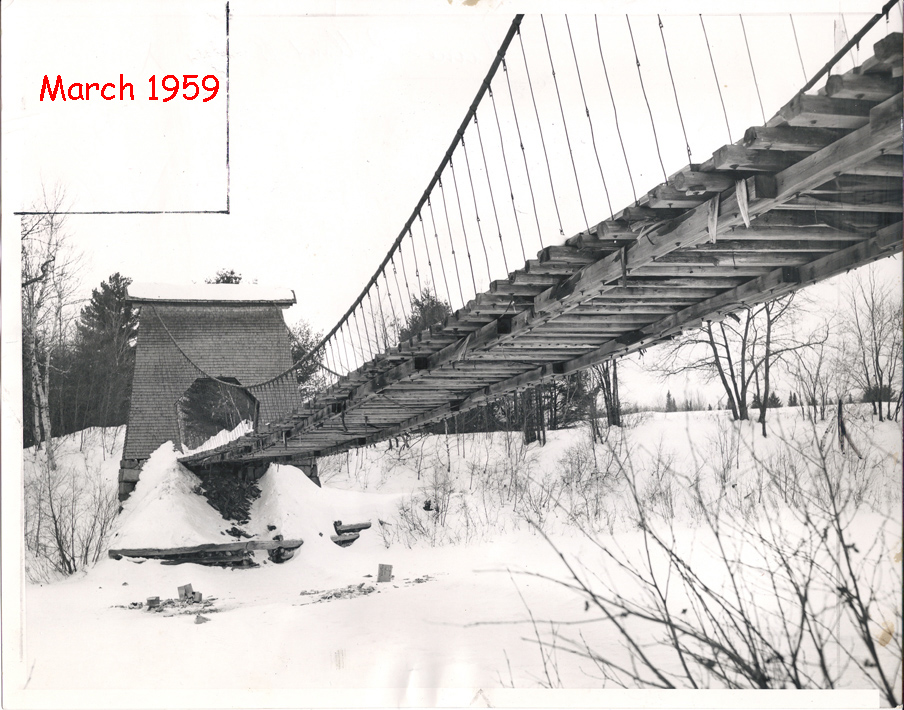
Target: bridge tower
{"points": [[193, 343]]}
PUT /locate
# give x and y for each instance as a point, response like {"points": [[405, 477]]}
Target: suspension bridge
{"points": [[809, 193]]}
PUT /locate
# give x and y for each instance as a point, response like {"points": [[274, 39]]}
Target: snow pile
{"points": [[166, 509], [298, 508], [210, 292], [95, 451], [224, 436]]}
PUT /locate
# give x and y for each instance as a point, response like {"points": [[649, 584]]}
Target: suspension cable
{"points": [[614, 109], [555, 82], [643, 90], [752, 70], [589, 121], [668, 64], [716, 76], [540, 128]]}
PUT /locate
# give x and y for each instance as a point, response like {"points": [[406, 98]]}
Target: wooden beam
{"points": [[697, 183], [793, 138], [870, 87], [824, 112], [737, 157]]}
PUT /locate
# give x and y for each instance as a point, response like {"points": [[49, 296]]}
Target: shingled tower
{"points": [[193, 343]]}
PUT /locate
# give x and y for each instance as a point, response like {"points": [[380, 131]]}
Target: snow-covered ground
{"points": [[481, 597]]}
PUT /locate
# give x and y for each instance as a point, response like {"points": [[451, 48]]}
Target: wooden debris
{"points": [[230, 554]]}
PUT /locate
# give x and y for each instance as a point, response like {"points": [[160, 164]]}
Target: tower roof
{"points": [[219, 294]]}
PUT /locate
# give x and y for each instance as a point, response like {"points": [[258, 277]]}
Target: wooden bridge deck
{"points": [[823, 190]]}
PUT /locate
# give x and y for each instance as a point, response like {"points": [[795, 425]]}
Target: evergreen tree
{"points": [[104, 358], [670, 404], [225, 276], [426, 310], [773, 401]]}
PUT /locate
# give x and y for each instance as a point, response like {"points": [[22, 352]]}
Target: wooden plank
{"points": [[737, 157], [870, 87], [861, 146], [802, 139], [890, 48], [824, 112], [698, 183], [669, 196], [246, 545]]}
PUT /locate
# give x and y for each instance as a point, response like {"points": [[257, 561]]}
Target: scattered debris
{"points": [[237, 532], [201, 619], [175, 607], [186, 592], [280, 554]]}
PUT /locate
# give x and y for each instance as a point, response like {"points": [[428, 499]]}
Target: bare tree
{"points": [[49, 268], [738, 350], [873, 328]]}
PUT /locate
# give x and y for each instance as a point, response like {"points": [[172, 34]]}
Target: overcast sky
{"points": [[338, 119]]}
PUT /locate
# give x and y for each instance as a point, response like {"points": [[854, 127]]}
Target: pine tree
{"points": [[225, 276], [426, 310], [670, 404], [105, 354], [773, 401]]}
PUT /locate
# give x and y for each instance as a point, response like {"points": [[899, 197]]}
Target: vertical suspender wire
{"points": [[427, 251], [486, 169], [395, 275], [752, 70], [476, 212], [349, 365], [405, 275], [508, 177], [540, 127], [716, 77], [643, 90], [395, 319], [329, 354], [373, 318], [799, 53], [337, 353], [417, 271], [599, 44], [449, 228], [439, 250], [847, 37], [555, 82], [382, 316], [461, 216], [668, 64], [367, 335], [587, 113], [530, 184], [365, 356]]}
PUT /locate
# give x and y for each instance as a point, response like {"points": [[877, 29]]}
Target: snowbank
{"points": [[298, 508], [166, 509]]}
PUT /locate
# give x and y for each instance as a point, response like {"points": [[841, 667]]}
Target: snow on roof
{"points": [[209, 293]]}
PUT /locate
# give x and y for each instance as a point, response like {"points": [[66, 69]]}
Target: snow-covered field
{"points": [[481, 598]]}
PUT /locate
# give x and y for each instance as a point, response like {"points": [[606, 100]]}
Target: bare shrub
{"points": [[792, 598], [69, 513]]}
